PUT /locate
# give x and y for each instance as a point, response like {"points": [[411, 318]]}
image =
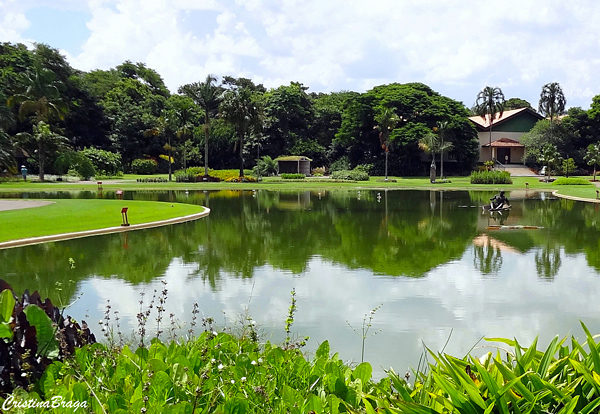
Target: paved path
{"points": [[19, 204], [518, 170]]}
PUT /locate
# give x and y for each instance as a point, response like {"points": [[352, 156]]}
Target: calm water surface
{"points": [[428, 258]]}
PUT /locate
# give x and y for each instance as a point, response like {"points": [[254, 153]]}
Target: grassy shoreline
{"points": [[74, 215], [274, 183]]}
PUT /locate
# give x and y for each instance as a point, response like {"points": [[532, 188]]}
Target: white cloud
{"points": [[454, 46]]}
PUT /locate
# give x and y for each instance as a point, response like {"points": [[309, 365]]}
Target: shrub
{"points": [[364, 167], [356, 174], [104, 162], [265, 166], [490, 177], [340, 164], [319, 171], [293, 176], [189, 174], [571, 181], [33, 333], [84, 167], [225, 174], [144, 166], [244, 179]]}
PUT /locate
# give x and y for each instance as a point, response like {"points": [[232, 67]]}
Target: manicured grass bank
{"points": [[66, 216], [276, 183]]}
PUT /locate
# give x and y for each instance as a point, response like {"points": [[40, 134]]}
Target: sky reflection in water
{"points": [[427, 257]]}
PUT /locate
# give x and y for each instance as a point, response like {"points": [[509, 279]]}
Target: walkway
{"points": [[520, 170]]}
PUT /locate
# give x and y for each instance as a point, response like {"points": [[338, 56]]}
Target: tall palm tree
{"points": [[386, 122], [42, 96], [552, 100], [42, 144], [432, 143], [208, 96], [241, 110], [442, 130], [7, 160], [490, 103]]}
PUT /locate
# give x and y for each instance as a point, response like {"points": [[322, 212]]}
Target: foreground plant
{"points": [[560, 379]]}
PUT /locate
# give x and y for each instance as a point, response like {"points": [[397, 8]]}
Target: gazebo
{"points": [[298, 164]]}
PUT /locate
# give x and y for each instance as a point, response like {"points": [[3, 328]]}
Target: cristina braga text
{"points": [[54, 402]]}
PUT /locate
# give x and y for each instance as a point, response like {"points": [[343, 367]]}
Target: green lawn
{"points": [[65, 216], [277, 183]]}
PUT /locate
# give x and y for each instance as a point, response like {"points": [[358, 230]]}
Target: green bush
{"points": [[84, 167], [319, 171], [265, 166], [105, 162], [340, 164], [490, 177], [356, 174], [144, 166], [223, 175], [293, 176], [189, 174], [571, 181]]}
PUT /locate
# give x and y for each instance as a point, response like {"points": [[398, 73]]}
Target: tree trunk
{"points": [[386, 162], [41, 161], [206, 133], [170, 157], [241, 140], [491, 158]]}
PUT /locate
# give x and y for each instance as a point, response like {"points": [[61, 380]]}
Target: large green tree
{"points": [[42, 144], [41, 97], [288, 118], [208, 96], [592, 156], [552, 101], [241, 107], [489, 104], [516, 103], [386, 120]]}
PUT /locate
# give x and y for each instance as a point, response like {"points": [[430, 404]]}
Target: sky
{"points": [[457, 47]]}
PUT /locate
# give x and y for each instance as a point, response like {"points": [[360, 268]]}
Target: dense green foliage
{"points": [[144, 166], [490, 177], [221, 372], [356, 174], [33, 334], [104, 162]]}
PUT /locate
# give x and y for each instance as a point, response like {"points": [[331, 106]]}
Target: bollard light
{"points": [[99, 185], [527, 186], [124, 215], [597, 194]]}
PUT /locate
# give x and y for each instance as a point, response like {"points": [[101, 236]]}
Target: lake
{"points": [[433, 263]]}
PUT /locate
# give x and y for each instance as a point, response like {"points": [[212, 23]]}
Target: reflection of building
{"points": [[506, 132], [294, 164]]}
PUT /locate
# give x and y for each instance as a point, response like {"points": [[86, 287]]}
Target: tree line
{"points": [[54, 117]]}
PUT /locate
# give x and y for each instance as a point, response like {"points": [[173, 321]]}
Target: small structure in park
{"points": [[506, 133], [293, 164]]}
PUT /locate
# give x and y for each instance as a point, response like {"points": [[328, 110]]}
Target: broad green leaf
{"points": [[236, 406], [363, 372], [323, 350], [7, 305], [47, 343], [5, 331]]}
